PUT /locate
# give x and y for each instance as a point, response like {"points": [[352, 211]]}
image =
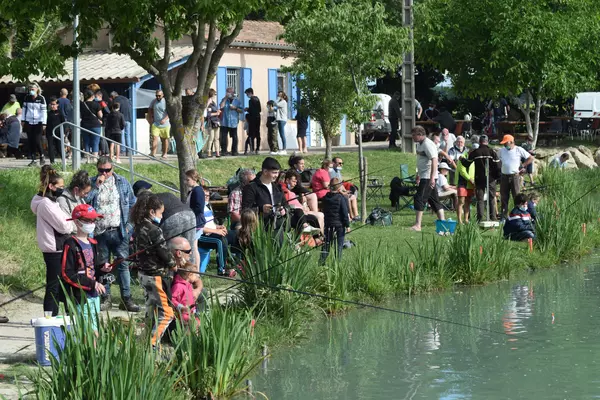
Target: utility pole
{"points": [[76, 135], [409, 117]]}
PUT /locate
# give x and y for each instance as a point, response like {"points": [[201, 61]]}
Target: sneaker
{"points": [[42, 161], [105, 303], [283, 153], [356, 219], [274, 153], [256, 152], [127, 304], [118, 161], [311, 229], [32, 164]]}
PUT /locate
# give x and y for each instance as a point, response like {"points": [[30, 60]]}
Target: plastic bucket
{"points": [[49, 337], [444, 227]]}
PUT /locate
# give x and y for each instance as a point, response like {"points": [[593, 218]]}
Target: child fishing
{"points": [[80, 265], [155, 263]]}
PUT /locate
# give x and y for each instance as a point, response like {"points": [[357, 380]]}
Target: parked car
{"points": [[378, 127], [587, 105]]}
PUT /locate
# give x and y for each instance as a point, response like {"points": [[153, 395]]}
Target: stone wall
{"points": [[582, 157]]}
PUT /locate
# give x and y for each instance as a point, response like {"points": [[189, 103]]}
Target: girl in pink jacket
{"points": [[52, 230], [185, 290]]}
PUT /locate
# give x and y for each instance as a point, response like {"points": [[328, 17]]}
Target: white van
{"points": [[587, 105], [379, 123]]}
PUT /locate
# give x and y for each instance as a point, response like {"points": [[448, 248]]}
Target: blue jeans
{"points": [[111, 243], [126, 137], [91, 143], [281, 126]]}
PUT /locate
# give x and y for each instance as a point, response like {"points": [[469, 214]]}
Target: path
{"points": [[11, 163]]}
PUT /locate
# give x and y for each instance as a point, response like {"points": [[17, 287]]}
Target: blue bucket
{"points": [[445, 226], [49, 337]]}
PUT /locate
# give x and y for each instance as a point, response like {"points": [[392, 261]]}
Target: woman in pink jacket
{"points": [[186, 288], [52, 230]]}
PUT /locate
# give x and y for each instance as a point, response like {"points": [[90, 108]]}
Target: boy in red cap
{"points": [[79, 265]]}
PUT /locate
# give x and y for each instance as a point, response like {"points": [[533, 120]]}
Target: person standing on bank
{"points": [[112, 196], [510, 182], [213, 124], [35, 113], [161, 127], [91, 119], [483, 178], [427, 171], [52, 229], [281, 116], [54, 119], [253, 119], [394, 115], [231, 108], [76, 193], [302, 127], [115, 125], [125, 109]]}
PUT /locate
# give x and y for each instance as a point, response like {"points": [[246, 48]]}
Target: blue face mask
{"points": [[156, 220], [523, 208], [32, 92]]}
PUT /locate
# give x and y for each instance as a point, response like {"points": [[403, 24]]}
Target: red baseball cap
{"points": [[84, 211]]}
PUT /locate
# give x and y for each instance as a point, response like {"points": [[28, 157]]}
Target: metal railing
{"points": [[131, 151]]}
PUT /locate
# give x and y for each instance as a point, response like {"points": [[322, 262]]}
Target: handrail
{"points": [[132, 173]]}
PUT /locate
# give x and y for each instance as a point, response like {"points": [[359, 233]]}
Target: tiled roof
{"points": [[104, 65]]}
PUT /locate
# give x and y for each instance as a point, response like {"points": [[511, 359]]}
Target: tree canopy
{"points": [[542, 48], [339, 46]]}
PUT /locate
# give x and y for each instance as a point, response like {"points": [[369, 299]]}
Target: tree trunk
{"points": [[527, 112], [536, 121], [184, 139]]}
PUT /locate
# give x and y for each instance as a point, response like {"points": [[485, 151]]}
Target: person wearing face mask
{"points": [[253, 118], [35, 114], [76, 193], [155, 262], [231, 109], [457, 150], [80, 269], [512, 169], [11, 107], [112, 196], [485, 177], [518, 226], [52, 229]]}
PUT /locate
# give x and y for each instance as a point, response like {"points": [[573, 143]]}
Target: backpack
{"points": [[380, 217]]}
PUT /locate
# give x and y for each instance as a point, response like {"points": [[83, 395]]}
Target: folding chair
{"points": [[406, 187], [375, 189]]}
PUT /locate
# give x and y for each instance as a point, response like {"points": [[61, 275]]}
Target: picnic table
{"points": [[511, 126]]}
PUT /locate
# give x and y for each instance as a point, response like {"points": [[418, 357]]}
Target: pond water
{"points": [[547, 345]]}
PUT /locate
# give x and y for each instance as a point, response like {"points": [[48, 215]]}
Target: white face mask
{"points": [[87, 227]]}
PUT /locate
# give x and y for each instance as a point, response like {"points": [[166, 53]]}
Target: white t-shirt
{"points": [[511, 159], [450, 144], [441, 182], [426, 151], [270, 188]]}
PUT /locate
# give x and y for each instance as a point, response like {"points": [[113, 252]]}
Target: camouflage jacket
{"points": [[157, 258]]}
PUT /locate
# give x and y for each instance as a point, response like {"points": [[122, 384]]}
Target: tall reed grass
{"points": [[116, 364]]}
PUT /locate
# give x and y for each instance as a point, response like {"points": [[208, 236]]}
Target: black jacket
{"points": [[446, 120], [335, 209], [394, 111], [256, 195], [485, 151], [76, 276], [54, 119], [254, 108], [156, 258], [115, 123]]}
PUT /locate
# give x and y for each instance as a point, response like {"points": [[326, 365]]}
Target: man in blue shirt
{"points": [[231, 108]]}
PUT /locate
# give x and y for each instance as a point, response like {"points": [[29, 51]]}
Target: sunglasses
{"points": [[104, 170], [159, 97], [340, 163], [188, 251]]}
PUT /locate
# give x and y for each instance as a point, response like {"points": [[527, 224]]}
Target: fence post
{"points": [[363, 192], [131, 173]]}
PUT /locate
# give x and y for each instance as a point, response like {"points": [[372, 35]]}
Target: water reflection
{"points": [[369, 354]]}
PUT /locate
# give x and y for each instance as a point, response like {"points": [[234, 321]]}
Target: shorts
{"points": [[164, 133], [426, 194], [90, 310], [464, 192], [529, 168], [116, 137]]}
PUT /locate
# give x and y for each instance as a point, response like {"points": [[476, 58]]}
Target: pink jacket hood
{"points": [[50, 218]]}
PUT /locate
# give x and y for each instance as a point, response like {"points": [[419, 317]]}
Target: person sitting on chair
{"points": [[445, 191]]}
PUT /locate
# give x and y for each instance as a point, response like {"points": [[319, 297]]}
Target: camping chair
{"points": [[405, 188], [375, 189]]}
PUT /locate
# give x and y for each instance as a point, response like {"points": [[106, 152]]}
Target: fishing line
{"points": [[585, 194], [372, 306]]}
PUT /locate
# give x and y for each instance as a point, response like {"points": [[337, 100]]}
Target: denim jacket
{"points": [[126, 200]]}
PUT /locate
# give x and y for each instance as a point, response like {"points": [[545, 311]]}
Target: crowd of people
{"points": [[474, 173], [97, 227]]}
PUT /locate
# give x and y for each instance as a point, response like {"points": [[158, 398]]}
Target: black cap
{"points": [[270, 164], [140, 185], [483, 139]]}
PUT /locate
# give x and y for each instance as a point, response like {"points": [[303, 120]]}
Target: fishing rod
{"points": [[365, 305], [585, 194]]}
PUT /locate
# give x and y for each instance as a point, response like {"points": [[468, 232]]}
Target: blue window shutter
{"points": [[293, 96], [343, 131], [272, 84], [221, 83], [246, 83]]}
